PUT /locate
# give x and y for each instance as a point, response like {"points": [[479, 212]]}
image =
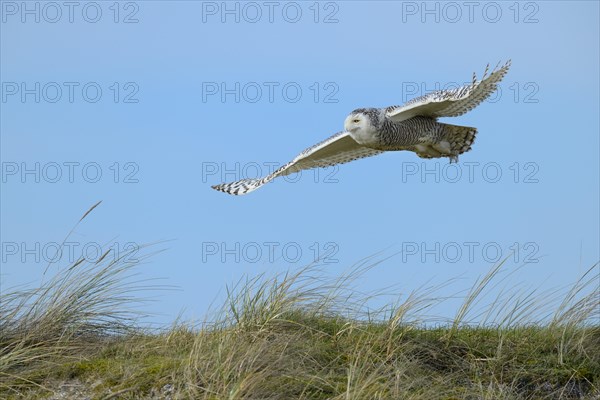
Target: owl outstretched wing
{"points": [[338, 149], [453, 102]]}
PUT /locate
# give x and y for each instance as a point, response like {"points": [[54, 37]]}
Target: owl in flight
{"points": [[412, 126]]}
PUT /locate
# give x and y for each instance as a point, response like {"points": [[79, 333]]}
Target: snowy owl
{"points": [[412, 126]]}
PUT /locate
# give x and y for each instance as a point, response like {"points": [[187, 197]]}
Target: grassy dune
{"points": [[298, 335]]}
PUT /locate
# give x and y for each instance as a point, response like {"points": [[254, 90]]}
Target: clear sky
{"points": [[144, 105]]}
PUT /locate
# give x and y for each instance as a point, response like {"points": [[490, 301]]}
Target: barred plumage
{"points": [[338, 149], [412, 126], [452, 102]]}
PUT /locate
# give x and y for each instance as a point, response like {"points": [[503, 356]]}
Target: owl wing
{"points": [[453, 102], [338, 149]]}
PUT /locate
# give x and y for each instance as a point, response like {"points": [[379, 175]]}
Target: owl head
{"points": [[363, 124]]}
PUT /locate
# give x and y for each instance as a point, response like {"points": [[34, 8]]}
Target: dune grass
{"points": [[299, 334]]}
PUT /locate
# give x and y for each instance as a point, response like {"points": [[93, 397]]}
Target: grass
{"points": [[299, 335], [294, 335]]}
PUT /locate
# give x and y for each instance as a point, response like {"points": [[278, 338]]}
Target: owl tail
{"points": [[457, 139]]}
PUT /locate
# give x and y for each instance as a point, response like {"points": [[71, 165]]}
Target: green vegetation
{"points": [[294, 335], [298, 335]]}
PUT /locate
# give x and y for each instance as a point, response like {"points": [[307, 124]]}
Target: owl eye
{"points": [[356, 120]]}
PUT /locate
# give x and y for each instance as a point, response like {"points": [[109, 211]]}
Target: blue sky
{"points": [[164, 99]]}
